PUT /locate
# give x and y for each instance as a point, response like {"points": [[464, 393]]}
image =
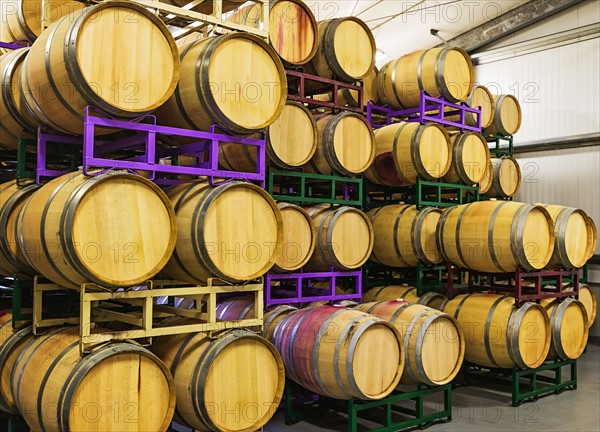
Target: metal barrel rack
{"points": [[424, 278], [403, 409], [299, 288], [503, 145]]}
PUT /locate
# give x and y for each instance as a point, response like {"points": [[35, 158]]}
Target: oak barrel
{"points": [[346, 50], [234, 80], [405, 151], [291, 142], [24, 20], [488, 178], [238, 372], [480, 98], [58, 390], [369, 85], [14, 115], [570, 327], [293, 30], [470, 155], [344, 238], [496, 236], [404, 292], [434, 345], [507, 116], [499, 335], [573, 236], [114, 229], [299, 238], [232, 232], [236, 308], [505, 178], [340, 353], [272, 319], [12, 200], [12, 344], [345, 145], [89, 58], [588, 298], [442, 72], [405, 236]]}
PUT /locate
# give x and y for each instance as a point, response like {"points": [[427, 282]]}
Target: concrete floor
{"points": [[485, 409]]}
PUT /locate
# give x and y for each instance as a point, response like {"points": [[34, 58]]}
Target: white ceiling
{"points": [[410, 31]]}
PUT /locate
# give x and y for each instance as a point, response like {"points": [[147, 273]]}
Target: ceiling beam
{"points": [[510, 22]]}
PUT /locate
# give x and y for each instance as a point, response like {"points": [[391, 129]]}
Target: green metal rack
{"points": [[399, 411], [526, 385], [307, 188], [503, 145], [424, 278]]}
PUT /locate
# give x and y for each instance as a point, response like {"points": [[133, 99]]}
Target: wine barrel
{"points": [[115, 229], [488, 178], [57, 81], [340, 353], [346, 50], [24, 20], [293, 30], [442, 72], [232, 232], [11, 345], [235, 309], [58, 390], [470, 156], [507, 116], [480, 98], [405, 236], [369, 85], [272, 319], [405, 151], [345, 145], [291, 142], [570, 327], [496, 236], [434, 345], [344, 238], [12, 199], [505, 179], [594, 230], [238, 372], [299, 238], [499, 335], [14, 116], [404, 293], [234, 80], [588, 298], [573, 236]]}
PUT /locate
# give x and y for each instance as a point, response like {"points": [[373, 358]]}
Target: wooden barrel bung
{"points": [[404, 293], [499, 335], [114, 78], [272, 319], [232, 232], [573, 236], [340, 353], [496, 236], [344, 238], [114, 229], [434, 345], [569, 324], [293, 30], [405, 151], [442, 72], [14, 115], [24, 20], [299, 238], [234, 80], [507, 116], [505, 178], [12, 344], [345, 145], [470, 156], [346, 50], [405, 236], [238, 372], [12, 200], [56, 389], [291, 142], [235, 309]]}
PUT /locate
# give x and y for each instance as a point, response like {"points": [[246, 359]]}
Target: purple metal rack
{"points": [[99, 153], [303, 289], [430, 109], [13, 45], [326, 86]]}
